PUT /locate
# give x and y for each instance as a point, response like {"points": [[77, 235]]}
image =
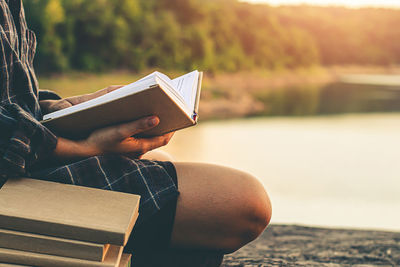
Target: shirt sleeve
{"points": [[24, 141]]}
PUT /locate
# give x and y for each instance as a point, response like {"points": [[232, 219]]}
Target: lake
{"points": [[338, 170]]}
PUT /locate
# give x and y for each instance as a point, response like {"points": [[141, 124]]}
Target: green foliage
{"points": [[213, 35], [47, 18]]}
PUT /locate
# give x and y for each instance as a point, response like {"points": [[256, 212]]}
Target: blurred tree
{"points": [[47, 17], [227, 35]]}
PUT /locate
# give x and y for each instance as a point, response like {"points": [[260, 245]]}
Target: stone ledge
{"points": [[289, 245]]}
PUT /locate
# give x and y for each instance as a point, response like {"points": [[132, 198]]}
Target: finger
{"points": [[45, 105], [107, 90], [148, 144], [129, 129], [170, 135], [166, 137], [140, 146], [58, 105], [74, 100]]}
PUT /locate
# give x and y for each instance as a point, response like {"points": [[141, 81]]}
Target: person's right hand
{"points": [[117, 139]]}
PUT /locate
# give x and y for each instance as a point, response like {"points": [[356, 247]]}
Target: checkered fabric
{"points": [[26, 146]]}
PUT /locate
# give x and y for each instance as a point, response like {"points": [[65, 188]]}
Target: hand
{"points": [[117, 139], [49, 106]]}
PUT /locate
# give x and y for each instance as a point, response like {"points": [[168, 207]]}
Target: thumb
{"points": [[135, 127]]}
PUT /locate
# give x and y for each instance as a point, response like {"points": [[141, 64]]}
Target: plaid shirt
{"points": [[25, 144]]}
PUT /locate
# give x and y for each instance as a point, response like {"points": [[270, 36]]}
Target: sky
{"points": [[348, 3]]}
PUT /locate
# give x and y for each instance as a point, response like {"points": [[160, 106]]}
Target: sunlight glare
{"points": [[353, 3]]}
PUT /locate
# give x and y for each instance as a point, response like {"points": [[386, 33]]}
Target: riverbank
{"points": [[234, 95], [290, 245]]}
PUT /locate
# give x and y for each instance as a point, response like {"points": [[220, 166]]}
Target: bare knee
{"points": [[253, 213], [219, 208]]}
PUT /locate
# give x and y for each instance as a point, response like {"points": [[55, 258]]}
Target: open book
{"points": [[175, 102]]}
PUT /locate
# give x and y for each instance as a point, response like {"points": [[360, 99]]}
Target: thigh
{"points": [[219, 208]]}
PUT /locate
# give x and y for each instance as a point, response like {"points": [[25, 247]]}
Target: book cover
{"points": [[52, 245], [67, 211], [12, 265], [112, 259]]}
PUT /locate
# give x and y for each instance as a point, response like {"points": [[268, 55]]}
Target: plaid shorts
{"points": [[154, 181]]}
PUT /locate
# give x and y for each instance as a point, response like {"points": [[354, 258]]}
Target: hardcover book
{"points": [[175, 102], [112, 259], [52, 245], [2, 264], [67, 211]]}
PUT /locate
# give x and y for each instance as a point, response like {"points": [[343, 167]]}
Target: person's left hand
{"points": [[49, 106]]}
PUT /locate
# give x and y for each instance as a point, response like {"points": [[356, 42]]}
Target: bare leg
{"points": [[219, 208]]}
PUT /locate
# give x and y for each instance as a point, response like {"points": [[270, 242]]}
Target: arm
{"points": [[113, 140], [23, 141]]}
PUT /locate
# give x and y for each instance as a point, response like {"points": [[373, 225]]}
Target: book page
{"points": [[152, 75], [186, 86]]}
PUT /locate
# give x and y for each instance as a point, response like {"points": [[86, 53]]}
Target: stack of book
{"points": [[51, 224]]}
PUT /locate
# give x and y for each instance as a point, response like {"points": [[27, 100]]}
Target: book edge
{"points": [[132, 223], [198, 93], [106, 248], [19, 257], [125, 259], [66, 231], [50, 245]]}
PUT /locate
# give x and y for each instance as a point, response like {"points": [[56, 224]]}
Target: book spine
{"points": [[3, 264], [198, 93], [62, 230], [43, 260], [51, 245]]}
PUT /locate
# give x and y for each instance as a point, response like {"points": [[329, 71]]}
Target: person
{"points": [[190, 213]]}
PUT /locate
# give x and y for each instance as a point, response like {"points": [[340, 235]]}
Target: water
{"points": [[350, 94], [339, 171]]}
